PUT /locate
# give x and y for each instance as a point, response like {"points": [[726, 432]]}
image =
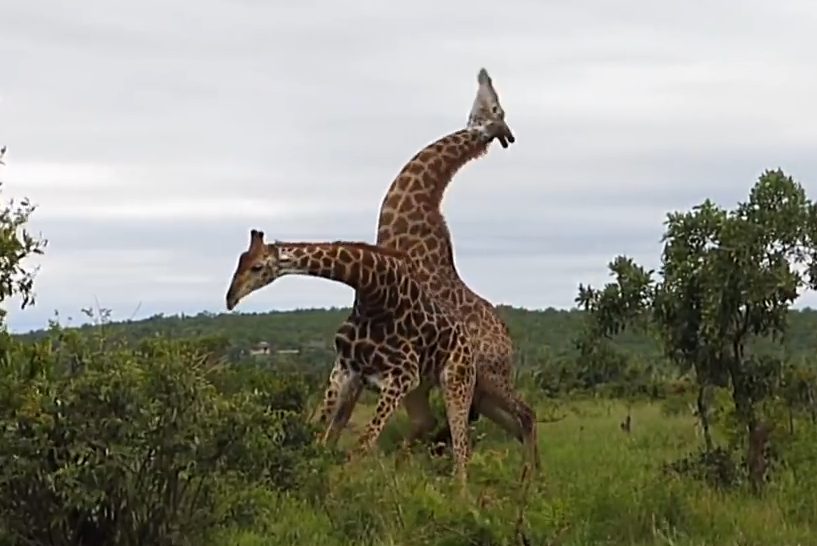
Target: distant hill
{"points": [[537, 334]]}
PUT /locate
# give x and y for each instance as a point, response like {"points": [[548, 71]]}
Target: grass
{"points": [[602, 487]]}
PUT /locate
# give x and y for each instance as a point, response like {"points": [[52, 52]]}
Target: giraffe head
{"points": [[487, 115], [258, 266]]}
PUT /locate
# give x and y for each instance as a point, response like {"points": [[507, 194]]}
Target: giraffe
{"points": [[411, 221], [399, 340]]}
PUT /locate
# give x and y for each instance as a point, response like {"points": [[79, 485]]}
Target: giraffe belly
{"points": [[374, 381]]}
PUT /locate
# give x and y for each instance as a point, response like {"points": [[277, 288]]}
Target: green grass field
{"points": [[602, 487]]}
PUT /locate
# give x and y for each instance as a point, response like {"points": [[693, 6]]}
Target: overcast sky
{"points": [[154, 135]]}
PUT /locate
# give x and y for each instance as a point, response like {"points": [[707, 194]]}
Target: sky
{"points": [[154, 135]]}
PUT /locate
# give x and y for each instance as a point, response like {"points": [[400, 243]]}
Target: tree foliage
{"points": [[17, 245], [726, 279]]}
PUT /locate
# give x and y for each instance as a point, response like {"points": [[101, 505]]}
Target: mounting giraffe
{"points": [[411, 221], [398, 339]]}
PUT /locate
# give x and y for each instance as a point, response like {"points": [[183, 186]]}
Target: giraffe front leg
{"points": [[422, 418], [419, 413], [500, 402], [394, 390], [441, 440], [330, 396], [457, 380], [339, 400], [347, 402]]}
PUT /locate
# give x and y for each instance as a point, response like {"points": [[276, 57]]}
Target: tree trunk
{"points": [[703, 417], [756, 456], [741, 395], [745, 407]]}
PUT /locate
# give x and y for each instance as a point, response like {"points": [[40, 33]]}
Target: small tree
{"points": [[17, 244], [726, 278]]}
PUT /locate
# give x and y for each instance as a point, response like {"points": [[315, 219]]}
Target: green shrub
{"points": [[152, 445], [677, 406]]}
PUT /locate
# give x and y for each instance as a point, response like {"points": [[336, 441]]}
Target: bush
{"points": [[718, 468], [154, 445]]}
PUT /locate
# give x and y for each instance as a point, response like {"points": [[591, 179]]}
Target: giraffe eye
{"points": [[257, 268]]}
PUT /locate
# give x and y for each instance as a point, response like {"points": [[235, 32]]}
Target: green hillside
{"points": [[537, 334]]}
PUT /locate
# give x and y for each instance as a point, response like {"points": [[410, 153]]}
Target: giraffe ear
{"points": [[483, 78]]}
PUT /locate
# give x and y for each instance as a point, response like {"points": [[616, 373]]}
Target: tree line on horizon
{"points": [[537, 334]]}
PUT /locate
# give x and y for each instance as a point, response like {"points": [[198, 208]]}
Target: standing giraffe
{"points": [[411, 220], [399, 340]]}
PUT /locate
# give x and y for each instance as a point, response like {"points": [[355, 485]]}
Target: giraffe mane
{"points": [[357, 245], [373, 248]]}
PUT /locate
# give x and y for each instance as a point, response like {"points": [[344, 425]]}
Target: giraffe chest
{"points": [[380, 380]]}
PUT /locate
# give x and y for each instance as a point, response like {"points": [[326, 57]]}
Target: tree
{"points": [[17, 244], [727, 277]]}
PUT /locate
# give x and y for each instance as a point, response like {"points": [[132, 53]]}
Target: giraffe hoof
{"points": [[403, 453], [356, 454], [351, 458], [438, 449]]}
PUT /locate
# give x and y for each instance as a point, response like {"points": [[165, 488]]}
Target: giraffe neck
{"points": [[379, 276], [426, 176], [412, 202]]}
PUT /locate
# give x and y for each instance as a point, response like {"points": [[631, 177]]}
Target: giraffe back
{"points": [[425, 333]]}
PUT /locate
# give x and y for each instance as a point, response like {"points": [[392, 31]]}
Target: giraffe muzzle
{"points": [[232, 300], [506, 139]]}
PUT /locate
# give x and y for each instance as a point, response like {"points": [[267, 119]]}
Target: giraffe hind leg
{"points": [[501, 404], [507, 410], [331, 395], [419, 412], [504, 419], [457, 381], [339, 400], [442, 438], [348, 401], [396, 386]]}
